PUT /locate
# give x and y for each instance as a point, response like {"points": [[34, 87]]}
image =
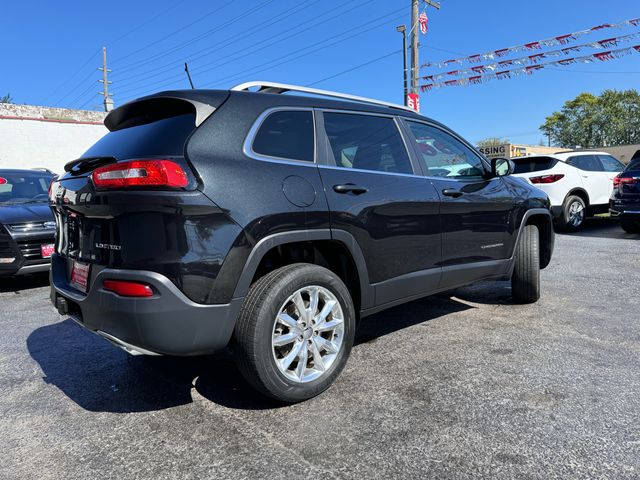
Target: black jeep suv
{"points": [[275, 222], [625, 198]]}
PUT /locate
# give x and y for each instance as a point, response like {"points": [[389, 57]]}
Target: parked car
{"points": [[27, 226], [275, 222], [578, 183], [625, 199]]}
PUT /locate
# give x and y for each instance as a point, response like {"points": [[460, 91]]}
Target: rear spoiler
{"points": [[164, 105]]}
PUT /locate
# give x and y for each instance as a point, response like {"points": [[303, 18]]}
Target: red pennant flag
{"points": [[479, 69], [475, 58], [475, 80], [532, 46], [423, 19], [603, 56], [501, 53], [564, 39], [536, 57]]}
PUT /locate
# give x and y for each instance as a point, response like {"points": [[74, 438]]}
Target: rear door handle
{"points": [[350, 188], [450, 192]]}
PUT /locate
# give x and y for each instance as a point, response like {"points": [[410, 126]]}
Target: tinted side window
{"points": [[286, 134], [588, 163], [366, 142], [610, 164], [444, 155]]}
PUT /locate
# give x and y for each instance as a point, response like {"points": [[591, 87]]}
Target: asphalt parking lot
{"points": [[459, 385]]}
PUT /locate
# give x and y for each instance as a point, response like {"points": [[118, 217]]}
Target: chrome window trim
{"points": [[395, 120], [248, 150], [484, 162]]}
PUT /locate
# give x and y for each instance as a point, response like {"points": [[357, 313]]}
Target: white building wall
{"points": [[32, 137]]}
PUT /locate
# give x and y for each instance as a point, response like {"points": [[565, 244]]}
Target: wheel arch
{"points": [[543, 219], [578, 192], [336, 250]]}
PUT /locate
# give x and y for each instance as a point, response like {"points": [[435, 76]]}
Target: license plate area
{"points": [[47, 250], [79, 278]]}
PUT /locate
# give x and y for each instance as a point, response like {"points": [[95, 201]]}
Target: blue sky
{"points": [[50, 51]]}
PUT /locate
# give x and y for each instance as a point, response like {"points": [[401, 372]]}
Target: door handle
{"points": [[450, 192], [350, 188]]}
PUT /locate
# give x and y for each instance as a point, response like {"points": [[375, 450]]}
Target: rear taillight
{"points": [[128, 289], [618, 181], [140, 173], [547, 178]]}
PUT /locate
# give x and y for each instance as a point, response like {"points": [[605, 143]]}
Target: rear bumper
{"points": [[167, 323], [624, 209]]}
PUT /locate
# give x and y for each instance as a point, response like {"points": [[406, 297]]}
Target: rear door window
{"points": [[366, 142], [533, 164], [286, 134], [589, 163], [610, 164]]}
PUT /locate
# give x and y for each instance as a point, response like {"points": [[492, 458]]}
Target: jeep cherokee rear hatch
{"points": [[132, 200]]}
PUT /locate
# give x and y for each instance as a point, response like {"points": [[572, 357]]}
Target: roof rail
{"points": [[271, 87]]}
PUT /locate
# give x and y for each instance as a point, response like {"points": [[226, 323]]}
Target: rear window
{"points": [[286, 134], [533, 164], [162, 137]]}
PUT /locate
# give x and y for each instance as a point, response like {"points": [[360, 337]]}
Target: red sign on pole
{"points": [[413, 101]]}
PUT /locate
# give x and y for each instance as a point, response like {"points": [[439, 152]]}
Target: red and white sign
{"points": [[80, 276], [423, 20], [47, 250], [413, 101]]}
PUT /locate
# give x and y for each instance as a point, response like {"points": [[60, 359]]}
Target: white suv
{"points": [[577, 183]]}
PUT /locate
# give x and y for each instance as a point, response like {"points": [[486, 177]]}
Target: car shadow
{"points": [[16, 284], [602, 227], [102, 378]]}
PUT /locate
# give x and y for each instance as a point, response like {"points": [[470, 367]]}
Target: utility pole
{"points": [[403, 30], [108, 101], [415, 44]]}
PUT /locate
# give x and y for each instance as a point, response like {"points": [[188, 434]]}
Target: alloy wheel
{"points": [[308, 334]]}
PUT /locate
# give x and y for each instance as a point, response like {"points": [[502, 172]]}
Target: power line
{"points": [[215, 64], [143, 24], [191, 58], [135, 65], [89, 60], [395, 52]]}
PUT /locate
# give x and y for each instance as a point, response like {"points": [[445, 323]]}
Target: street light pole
{"points": [[403, 29]]}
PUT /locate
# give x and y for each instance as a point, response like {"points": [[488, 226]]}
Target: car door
{"points": [[477, 213], [375, 195], [594, 180]]}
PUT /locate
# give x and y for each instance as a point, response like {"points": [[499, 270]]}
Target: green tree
{"points": [[590, 121], [489, 142], [6, 99]]}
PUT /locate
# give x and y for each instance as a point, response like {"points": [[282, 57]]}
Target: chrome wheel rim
{"points": [[576, 213], [308, 334]]}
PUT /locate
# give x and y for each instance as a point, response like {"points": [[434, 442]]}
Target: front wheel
{"points": [[295, 332], [525, 280]]}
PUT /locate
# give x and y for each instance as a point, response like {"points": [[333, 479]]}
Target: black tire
{"points": [[525, 280], [568, 222], [255, 328], [630, 226]]}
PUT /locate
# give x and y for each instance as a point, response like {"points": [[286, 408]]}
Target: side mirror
{"points": [[501, 167]]}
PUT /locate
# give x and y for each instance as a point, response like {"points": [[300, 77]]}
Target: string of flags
{"points": [[533, 59], [530, 69], [538, 45]]}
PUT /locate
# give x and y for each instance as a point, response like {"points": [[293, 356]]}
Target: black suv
{"points": [[26, 223], [274, 222], [625, 198]]}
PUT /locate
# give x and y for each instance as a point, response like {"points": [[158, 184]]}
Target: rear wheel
{"points": [[630, 226], [525, 280], [574, 211], [295, 332]]}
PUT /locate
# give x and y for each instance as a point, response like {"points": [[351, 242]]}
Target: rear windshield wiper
{"points": [[82, 165]]}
